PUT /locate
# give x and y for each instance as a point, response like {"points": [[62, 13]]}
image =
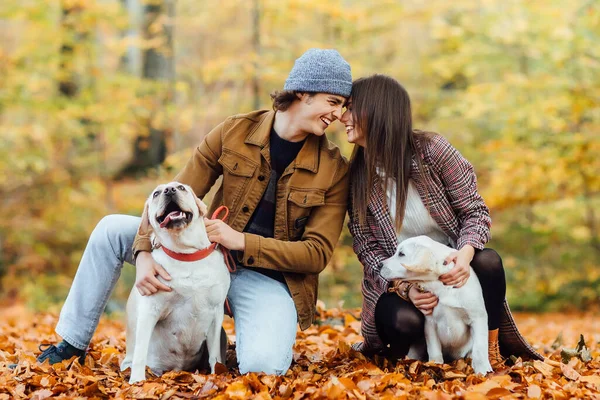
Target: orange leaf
{"points": [[594, 379], [484, 387], [238, 391], [569, 372], [348, 383], [497, 393], [534, 391]]}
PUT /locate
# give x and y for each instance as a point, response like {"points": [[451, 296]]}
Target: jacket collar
{"points": [[307, 158]]}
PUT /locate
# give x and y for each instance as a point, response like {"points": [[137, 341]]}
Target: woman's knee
{"points": [[408, 322], [395, 317], [487, 264]]}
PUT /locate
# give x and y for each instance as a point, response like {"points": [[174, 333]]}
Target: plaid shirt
{"points": [[448, 189]]}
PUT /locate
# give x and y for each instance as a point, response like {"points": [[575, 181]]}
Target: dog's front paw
{"points": [[482, 367], [439, 359], [136, 377], [417, 352], [125, 364]]}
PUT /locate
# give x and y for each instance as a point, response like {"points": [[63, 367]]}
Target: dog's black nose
{"points": [[170, 191]]}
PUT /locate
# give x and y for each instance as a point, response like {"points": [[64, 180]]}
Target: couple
{"points": [[288, 189]]}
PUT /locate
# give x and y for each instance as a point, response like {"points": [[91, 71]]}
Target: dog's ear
{"points": [[201, 207], [145, 227], [422, 261]]}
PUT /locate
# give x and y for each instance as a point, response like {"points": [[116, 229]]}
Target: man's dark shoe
{"points": [[60, 352], [56, 354]]}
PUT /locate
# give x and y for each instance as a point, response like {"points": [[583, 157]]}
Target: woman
{"points": [[406, 183]]}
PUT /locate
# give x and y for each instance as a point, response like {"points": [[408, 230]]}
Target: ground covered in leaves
{"points": [[324, 366]]}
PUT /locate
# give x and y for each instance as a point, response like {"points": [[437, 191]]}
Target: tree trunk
{"points": [[67, 81], [256, 46], [150, 148]]}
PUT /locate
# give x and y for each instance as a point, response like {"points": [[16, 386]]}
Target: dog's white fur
{"points": [[457, 328], [166, 330]]}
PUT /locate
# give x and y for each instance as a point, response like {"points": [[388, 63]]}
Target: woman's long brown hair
{"points": [[381, 110]]}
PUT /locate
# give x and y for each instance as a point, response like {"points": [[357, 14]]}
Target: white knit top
{"points": [[417, 220]]}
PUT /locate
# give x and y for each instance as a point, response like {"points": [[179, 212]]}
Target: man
{"points": [[286, 188]]}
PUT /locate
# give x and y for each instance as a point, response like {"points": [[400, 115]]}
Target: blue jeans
{"points": [[264, 312]]}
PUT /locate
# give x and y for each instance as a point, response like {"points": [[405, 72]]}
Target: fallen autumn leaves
{"points": [[324, 367]]}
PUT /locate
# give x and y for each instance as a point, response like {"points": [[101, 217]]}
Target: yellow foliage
{"points": [[513, 85]]}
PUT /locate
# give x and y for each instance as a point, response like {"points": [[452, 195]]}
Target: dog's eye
{"points": [[181, 187], [400, 254], [155, 193]]}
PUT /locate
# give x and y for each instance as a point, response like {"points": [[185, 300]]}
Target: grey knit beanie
{"points": [[321, 71]]}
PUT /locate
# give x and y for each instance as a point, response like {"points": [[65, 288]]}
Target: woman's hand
{"points": [[146, 272], [424, 301], [459, 275], [219, 232]]}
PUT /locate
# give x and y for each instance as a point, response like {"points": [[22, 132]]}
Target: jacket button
{"points": [[250, 260], [261, 178], [245, 209]]}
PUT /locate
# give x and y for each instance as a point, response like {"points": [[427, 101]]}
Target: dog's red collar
{"points": [[196, 256], [201, 254]]}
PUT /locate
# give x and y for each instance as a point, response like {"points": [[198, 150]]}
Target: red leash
{"points": [[229, 261]]}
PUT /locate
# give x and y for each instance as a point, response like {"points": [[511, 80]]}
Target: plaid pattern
{"points": [[448, 188]]}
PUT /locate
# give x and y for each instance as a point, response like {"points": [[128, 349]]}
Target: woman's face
{"points": [[354, 133]]}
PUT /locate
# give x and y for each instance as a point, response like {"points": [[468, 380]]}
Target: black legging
{"points": [[399, 323]]}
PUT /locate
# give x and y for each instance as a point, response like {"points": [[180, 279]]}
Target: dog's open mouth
{"points": [[173, 214]]}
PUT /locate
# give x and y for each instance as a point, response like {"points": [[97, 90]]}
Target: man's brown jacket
{"points": [[310, 205]]}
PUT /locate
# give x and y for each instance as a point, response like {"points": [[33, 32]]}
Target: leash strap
{"points": [[216, 213], [229, 260]]}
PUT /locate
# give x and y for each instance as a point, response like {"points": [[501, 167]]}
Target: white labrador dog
{"points": [[167, 330], [457, 328]]}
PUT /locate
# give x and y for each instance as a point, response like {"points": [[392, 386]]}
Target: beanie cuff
{"points": [[331, 86]]}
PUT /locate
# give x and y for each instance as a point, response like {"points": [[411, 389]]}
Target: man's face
{"points": [[317, 112]]}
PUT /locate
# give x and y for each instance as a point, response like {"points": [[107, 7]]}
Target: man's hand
{"points": [[424, 301], [146, 272], [219, 232], [458, 275]]}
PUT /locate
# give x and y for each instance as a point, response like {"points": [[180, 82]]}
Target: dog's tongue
{"points": [[168, 218]]}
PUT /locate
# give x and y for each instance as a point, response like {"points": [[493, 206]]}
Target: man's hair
{"points": [[282, 100]]}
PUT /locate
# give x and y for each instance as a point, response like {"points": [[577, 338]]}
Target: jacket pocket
{"points": [[237, 173], [305, 198], [300, 205]]}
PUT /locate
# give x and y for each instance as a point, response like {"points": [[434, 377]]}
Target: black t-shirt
{"points": [[262, 221]]}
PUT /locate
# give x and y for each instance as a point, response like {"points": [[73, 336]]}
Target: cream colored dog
{"points": [[457, 328], [166, 330]]}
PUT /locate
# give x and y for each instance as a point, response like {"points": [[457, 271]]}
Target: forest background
{"points": [[101, 100]]}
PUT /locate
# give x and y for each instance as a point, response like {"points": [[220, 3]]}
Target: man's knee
{"points": [[109, 225], [115, 227], [266, 360]]}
